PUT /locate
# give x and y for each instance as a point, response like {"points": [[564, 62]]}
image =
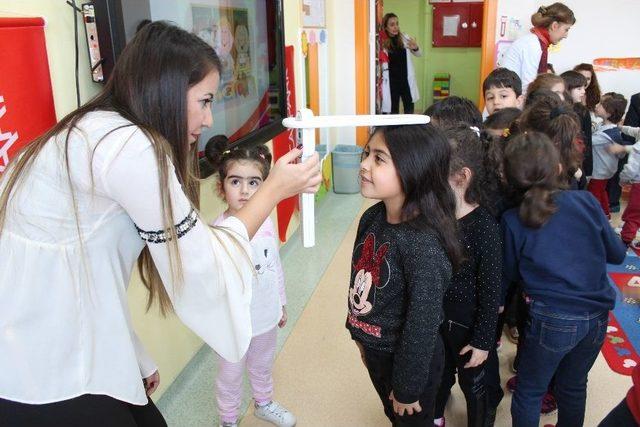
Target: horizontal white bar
{"points": [[355, 120]]}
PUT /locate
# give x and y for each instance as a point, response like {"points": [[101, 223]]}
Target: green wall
{"points": [[463, 64]]}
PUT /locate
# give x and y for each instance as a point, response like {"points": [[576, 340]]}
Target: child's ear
{"points": [[220, 189], [520, 102]]}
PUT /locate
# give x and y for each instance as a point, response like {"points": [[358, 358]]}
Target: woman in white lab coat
{"points": [[527, 56], [398, 74], [114, 182]]}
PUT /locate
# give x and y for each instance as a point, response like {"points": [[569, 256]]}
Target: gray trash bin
{"points": [[321, 149], [346, 168]]}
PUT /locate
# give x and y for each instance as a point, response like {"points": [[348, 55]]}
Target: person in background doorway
{"points": [[401, 83], [527, 56]]}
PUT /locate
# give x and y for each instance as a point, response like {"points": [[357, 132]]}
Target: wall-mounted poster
{"points": [[313, 13]]}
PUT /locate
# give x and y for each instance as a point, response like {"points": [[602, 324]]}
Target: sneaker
{"points": [[512, 383], [275, 413], [549, 405], [444, 422], [513, 335], [229, 424]]}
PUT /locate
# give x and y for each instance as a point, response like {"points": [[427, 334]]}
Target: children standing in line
{"points": [[605, 163], [472, 299], [570, 297], [502, 89], [241, 171], [403, 256]]}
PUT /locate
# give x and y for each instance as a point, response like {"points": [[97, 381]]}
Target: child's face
{"points": [[242, 181], [577, 94], [497, 98], [378, 176], [559, 89], [600, 111]]}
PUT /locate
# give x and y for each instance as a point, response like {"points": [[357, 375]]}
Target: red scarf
{"points": [[545, 41]]}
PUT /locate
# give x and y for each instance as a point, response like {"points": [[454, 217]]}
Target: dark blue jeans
{"points": [[563, 344]]}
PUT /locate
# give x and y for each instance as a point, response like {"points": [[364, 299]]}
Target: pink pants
{"points": [[259, 364]]}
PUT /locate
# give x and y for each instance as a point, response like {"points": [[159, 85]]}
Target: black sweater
{"points": [[473, 297], [398, 278]]}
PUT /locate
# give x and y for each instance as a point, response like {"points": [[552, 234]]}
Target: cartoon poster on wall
{"points": [[228, 31]]}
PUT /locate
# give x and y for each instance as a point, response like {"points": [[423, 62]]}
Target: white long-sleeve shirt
{"points": [[65, 328], [523, 58]]}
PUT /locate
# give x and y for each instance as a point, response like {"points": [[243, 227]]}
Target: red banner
{"points": [[26, 99], [284, 142]]}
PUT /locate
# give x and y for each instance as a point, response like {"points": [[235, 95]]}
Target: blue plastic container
{"points": [[346, 168]]}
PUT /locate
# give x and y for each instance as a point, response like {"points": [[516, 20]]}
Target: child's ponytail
{"points": [[532, 169]]}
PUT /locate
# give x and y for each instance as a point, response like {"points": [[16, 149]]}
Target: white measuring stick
{"points": [[306, 123]]}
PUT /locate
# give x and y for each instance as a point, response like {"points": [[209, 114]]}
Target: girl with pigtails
{"points": [[570, 296]]}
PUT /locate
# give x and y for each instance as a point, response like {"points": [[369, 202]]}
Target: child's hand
{"points": [[151, 383], [283, 320], [401, 408], [477, 356]]}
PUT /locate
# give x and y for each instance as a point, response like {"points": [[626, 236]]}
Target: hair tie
{"points": [[542, 10], [225, 152], [506, 132], [557, 111], [476, 130], [262, 156]]}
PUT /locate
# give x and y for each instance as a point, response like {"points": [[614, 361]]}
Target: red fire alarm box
{"points": [[457, 24]]}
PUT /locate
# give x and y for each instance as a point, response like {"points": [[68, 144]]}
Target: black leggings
{"points": [[401, 89], [86, 410]]}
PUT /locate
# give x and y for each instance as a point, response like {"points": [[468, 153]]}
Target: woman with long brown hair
{"points": [[114, 182]]}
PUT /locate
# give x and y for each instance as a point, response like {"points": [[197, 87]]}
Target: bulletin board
{"points": [[313, 13]]}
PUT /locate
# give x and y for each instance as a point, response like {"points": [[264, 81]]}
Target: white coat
{"points": [[523, 58], [411, 77]]}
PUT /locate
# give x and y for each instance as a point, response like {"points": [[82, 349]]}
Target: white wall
{"points": [[608, 29], [342, 66]]}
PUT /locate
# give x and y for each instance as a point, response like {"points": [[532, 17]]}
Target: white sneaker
{"points": [[275, 413]]}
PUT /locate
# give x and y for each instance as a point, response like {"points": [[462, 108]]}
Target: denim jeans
{"points": [[564, 344]]}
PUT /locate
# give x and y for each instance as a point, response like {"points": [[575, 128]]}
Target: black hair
{"points": [[573, 79], [502, 78], [478, 152], [502, 119], [220, 156], [615, 105], [421, 156], [453, 110], [531, 171]]}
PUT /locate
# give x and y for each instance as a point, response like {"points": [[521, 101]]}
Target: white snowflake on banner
{"points": [[7, 139]]}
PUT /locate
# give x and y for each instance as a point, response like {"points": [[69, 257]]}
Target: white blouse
{"points": [[65, 328], [523, 57]]}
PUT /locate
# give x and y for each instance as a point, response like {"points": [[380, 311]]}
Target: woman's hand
{"points": [[283, 320], [401, 408], [412, 44], [477, 356], [151, 383], [289, 178]]}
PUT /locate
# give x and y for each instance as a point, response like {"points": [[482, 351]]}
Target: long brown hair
{"points": [[531, 171], [593, 90], [386, 43], [561, 124], [547, 15], [148, 87]]}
